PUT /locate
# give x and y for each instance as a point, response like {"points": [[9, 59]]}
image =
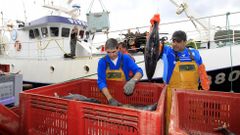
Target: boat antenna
{"points": [[24, 11], [230, 47], [2, 17], [74, 12], [1, 29]]}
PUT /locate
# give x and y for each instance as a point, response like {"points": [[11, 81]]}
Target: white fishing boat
{"points": [[41, 49]]}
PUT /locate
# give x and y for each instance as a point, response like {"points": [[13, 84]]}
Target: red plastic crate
{"points": [[200, 112], [9, 121], [43, 114]]}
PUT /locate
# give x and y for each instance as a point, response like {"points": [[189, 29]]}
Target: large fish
{"points": [[151, 107], [151, 54], [79, 97]]}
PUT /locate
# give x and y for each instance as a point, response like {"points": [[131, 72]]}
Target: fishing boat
{"points": [[41, 50]]}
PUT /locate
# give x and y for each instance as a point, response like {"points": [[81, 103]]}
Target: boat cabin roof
{"points": [[56, 19]]}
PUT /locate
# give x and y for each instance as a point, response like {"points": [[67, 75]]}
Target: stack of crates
{"points": [[10, 87], [202, 112], [44, 114]]}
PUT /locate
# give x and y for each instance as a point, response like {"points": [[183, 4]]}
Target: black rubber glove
{"points": [[129, 86], [113, 102]]}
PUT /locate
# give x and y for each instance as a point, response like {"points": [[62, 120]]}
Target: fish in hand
{"points": [[151, 55]]}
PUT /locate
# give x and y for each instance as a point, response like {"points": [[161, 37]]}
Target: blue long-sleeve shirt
{"points": [[127, 65], [169, 61]]}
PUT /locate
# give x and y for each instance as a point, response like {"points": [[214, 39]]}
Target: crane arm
{"points": [[183, 7]]}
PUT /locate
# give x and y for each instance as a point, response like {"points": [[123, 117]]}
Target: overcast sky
{"points": [[126, 14]]}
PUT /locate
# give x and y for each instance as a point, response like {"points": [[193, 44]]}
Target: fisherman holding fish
{"points": [[116, 66], [183, 67]]}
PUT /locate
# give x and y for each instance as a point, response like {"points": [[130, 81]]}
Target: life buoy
{"points": [[102, 48], [18, 45]]}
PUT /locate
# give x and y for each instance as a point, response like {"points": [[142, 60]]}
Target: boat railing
{"points": [[42, 49], [207, 38]]}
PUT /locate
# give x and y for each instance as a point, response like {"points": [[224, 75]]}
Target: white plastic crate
{"points": [[10, 87]]}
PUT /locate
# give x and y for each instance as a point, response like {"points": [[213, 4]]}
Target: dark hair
{"points": [[179, 35], [111, 44], [123, 44]]}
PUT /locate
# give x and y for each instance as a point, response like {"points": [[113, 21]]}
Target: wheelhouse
{"points": [[55, 27]]}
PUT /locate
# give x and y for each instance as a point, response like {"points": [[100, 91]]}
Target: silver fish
{"points": [[79, 97], [151, 107]]}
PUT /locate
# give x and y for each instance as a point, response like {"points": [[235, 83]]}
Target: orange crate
{"points": [[200, 112], [44, 114]]}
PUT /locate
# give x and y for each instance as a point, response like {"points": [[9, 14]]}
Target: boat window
{"points": [[81, 34], [44, 31], [87, 34], [65, 32], [36, 33], [31, 34], [54, 31]]}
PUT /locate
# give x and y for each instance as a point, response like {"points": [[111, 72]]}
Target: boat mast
{"points": [[24, 11], [73, 13], [184, 8]]}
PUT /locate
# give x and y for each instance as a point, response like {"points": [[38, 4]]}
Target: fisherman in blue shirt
{"points": [[183, 68], [116, 66]]}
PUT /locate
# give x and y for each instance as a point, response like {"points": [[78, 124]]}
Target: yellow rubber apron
{"points": [[184, 76], [117, 75]]}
